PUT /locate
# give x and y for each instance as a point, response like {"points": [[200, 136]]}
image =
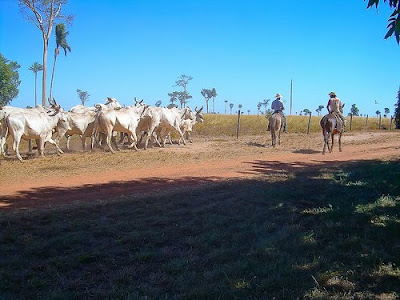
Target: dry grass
{"points": [[215, 125]]}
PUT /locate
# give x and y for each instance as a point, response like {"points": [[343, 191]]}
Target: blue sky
{"points": [[247, 50]]}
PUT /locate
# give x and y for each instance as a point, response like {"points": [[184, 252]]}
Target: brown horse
{"points": [[275, 125], [331, 125]]}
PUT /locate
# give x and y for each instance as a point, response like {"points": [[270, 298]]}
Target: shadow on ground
{"points": [[300, 232]]}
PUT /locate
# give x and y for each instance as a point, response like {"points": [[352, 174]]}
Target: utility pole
{"points": [[291, 96]]}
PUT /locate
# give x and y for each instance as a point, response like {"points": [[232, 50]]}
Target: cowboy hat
{"points": [[278, 95], [332, 94]]}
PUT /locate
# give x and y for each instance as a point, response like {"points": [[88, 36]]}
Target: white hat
{"points": [[278, 95]]}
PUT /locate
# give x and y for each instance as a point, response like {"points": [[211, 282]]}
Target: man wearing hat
{"points": [[335, 105], [278, 107]]}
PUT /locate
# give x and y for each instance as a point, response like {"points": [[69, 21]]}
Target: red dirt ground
{"points": [[94, 185]]}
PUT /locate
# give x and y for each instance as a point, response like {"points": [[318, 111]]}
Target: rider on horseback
{"points": [[335, 106], [278, 107]]}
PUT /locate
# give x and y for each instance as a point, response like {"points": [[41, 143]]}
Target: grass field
{"points": [[309, 233], [255, 125]]}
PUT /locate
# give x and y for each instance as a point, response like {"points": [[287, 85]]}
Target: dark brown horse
{"points": [[275, 125], [331, 125]]}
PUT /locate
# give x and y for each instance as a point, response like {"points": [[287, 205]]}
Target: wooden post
{"points": [[351, 120], [291, 96], [238, 125], [391, 121], [380, 121], [309, 123], [366, 123]]}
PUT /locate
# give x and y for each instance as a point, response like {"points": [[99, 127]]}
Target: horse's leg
{"points": [[325, 134], [340, 142], [332, 136]]}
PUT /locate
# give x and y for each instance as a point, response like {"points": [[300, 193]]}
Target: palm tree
{"points": [[61, 41], [206, 93], [231, 106], [213, 95], [35, 68], [319, 109], [387, 111]]}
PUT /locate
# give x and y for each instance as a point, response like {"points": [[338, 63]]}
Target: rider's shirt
{"points": [[335, 105], [277, 105]]}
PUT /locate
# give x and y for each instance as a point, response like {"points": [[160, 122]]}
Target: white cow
{"points": [[77, 123], [4, 111], [157, 118], [34, 125], [187, 125], [110, 103], [123, 120]]}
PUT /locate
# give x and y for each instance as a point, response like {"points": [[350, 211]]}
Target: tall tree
{"points": [[183, 81], [265, 104], [354, 110], [43, 14], [83, 96], [213, 95], [172, 98], [397, 111], [61, 41], [206, 93], [307, 111], [35, 68], [259, 104], [378, 112], [394, 19], [9, 80]]}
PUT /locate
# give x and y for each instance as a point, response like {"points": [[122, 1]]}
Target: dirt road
{"points": [[78, 176]]}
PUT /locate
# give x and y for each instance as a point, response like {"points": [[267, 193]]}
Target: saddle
{"points": [[339, 122]]}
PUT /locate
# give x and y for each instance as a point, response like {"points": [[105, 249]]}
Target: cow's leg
{"points": [[30, 146], [3, 137], [189, 137], [108, 140], [149, 135], [83, 139], [17, 140], [181, 135], [51, 141], [68, 137], [134, 139]]}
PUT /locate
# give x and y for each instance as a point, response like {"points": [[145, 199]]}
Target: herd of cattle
{"points": [[101, 123]]}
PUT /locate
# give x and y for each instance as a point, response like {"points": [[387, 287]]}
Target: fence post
{"points": [[309, 123], [380, 121], [366, 123], [351, 120], [391, 121], [238, 125]]}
